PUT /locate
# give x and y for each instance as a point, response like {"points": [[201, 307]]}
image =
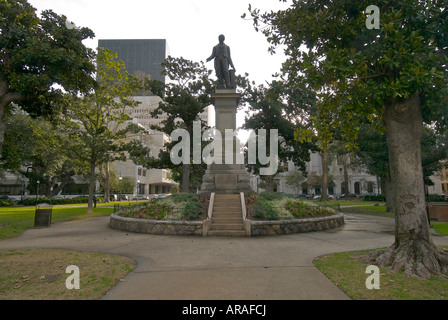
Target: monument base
{"points": [[226, 179]]}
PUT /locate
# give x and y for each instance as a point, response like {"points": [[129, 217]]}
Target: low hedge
{"points": [[185, 206], [380, 197], [6, 203], [32, 202]]}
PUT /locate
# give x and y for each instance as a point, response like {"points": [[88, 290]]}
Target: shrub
{"points": [[32, 201], [191, 210], [263, 209], [152, 211], [188, 205], [6, 203], [379, 197], [436, 198], [301, 209]]}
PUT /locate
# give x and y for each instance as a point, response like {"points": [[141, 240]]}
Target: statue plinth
{"points": [[226, 178]]}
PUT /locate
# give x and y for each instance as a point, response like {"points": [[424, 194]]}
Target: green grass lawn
{"points": [[348, 271], [40, 273], [15, 220]]}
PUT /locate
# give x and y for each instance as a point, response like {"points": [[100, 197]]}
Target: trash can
{"points": [[43, 215]]}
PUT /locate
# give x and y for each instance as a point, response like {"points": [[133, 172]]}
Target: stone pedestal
{"points": [[226, 178]]}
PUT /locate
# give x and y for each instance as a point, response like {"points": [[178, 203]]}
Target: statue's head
{"points": [[222, 38]]}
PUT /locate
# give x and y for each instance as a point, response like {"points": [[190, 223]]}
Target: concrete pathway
{"points": [[217, 268]]}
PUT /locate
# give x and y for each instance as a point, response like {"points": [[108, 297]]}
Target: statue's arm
{"points": [[212, 56], [230, 60]]}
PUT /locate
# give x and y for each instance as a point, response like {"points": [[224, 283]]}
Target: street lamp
{"points": [[119, 183], [37, 191]]}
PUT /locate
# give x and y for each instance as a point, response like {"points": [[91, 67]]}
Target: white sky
{"points": [[191, 27]]}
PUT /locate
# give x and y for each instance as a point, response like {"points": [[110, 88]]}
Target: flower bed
{"points": [[156, 211], [176, 207], [273, 207], [300, 209]]}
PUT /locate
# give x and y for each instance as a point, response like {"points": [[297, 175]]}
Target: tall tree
{"points": [[185, 97], [396, 73], [40, 59], [36, 144], [268, 111], [97, 122]]}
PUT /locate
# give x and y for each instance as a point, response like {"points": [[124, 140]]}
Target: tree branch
{"points": [[373, 76]]}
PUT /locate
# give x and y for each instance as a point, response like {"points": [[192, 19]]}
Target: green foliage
{"points": [[191, 210], [266, 205], [37, 144], [155, 211], [301, 209], [40, 200], [381, 198], [182, 206], [436, 198], [6, 203], [270, 111], [356, 71], [185, 97], [96, 122], [263, 209], [39, 52]]}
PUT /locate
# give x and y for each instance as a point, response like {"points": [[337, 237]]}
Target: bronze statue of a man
{"points": [[221, 54]]}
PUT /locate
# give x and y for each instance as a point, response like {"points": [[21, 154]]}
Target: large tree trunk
{"points": [[186, 178], [346, 182], [105, 175], [413, 252], [324, 156], [91, 188], [388, 192]]}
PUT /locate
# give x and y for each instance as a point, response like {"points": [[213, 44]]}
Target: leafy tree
{"points": [[295, 180], [268, 111], [97, 122], [396, 74], [35, 143], [372, 153], [185, 97], [40, 60]]}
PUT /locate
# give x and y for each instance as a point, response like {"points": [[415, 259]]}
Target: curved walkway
{"points": [[216, 268]]}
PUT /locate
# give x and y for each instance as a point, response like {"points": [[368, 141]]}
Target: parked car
{"points": [[124, 197], [140, 198], [303, 196], [343, 196]]}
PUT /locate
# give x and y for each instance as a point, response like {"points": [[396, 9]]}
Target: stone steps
{"points": [[227, 217]]}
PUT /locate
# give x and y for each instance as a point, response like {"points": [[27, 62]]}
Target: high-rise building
{"points": [[143, 58]]}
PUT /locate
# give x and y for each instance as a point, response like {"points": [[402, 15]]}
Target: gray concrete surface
{"points": [[217, 268]]}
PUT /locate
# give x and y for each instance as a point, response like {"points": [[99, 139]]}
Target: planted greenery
{"points": [[301, 209], [177, 206], [275, 206]]}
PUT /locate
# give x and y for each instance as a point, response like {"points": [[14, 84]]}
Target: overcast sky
{"points": [[191, 27]]}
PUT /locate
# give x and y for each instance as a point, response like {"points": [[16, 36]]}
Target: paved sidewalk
{"points": [[214, 268]]}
